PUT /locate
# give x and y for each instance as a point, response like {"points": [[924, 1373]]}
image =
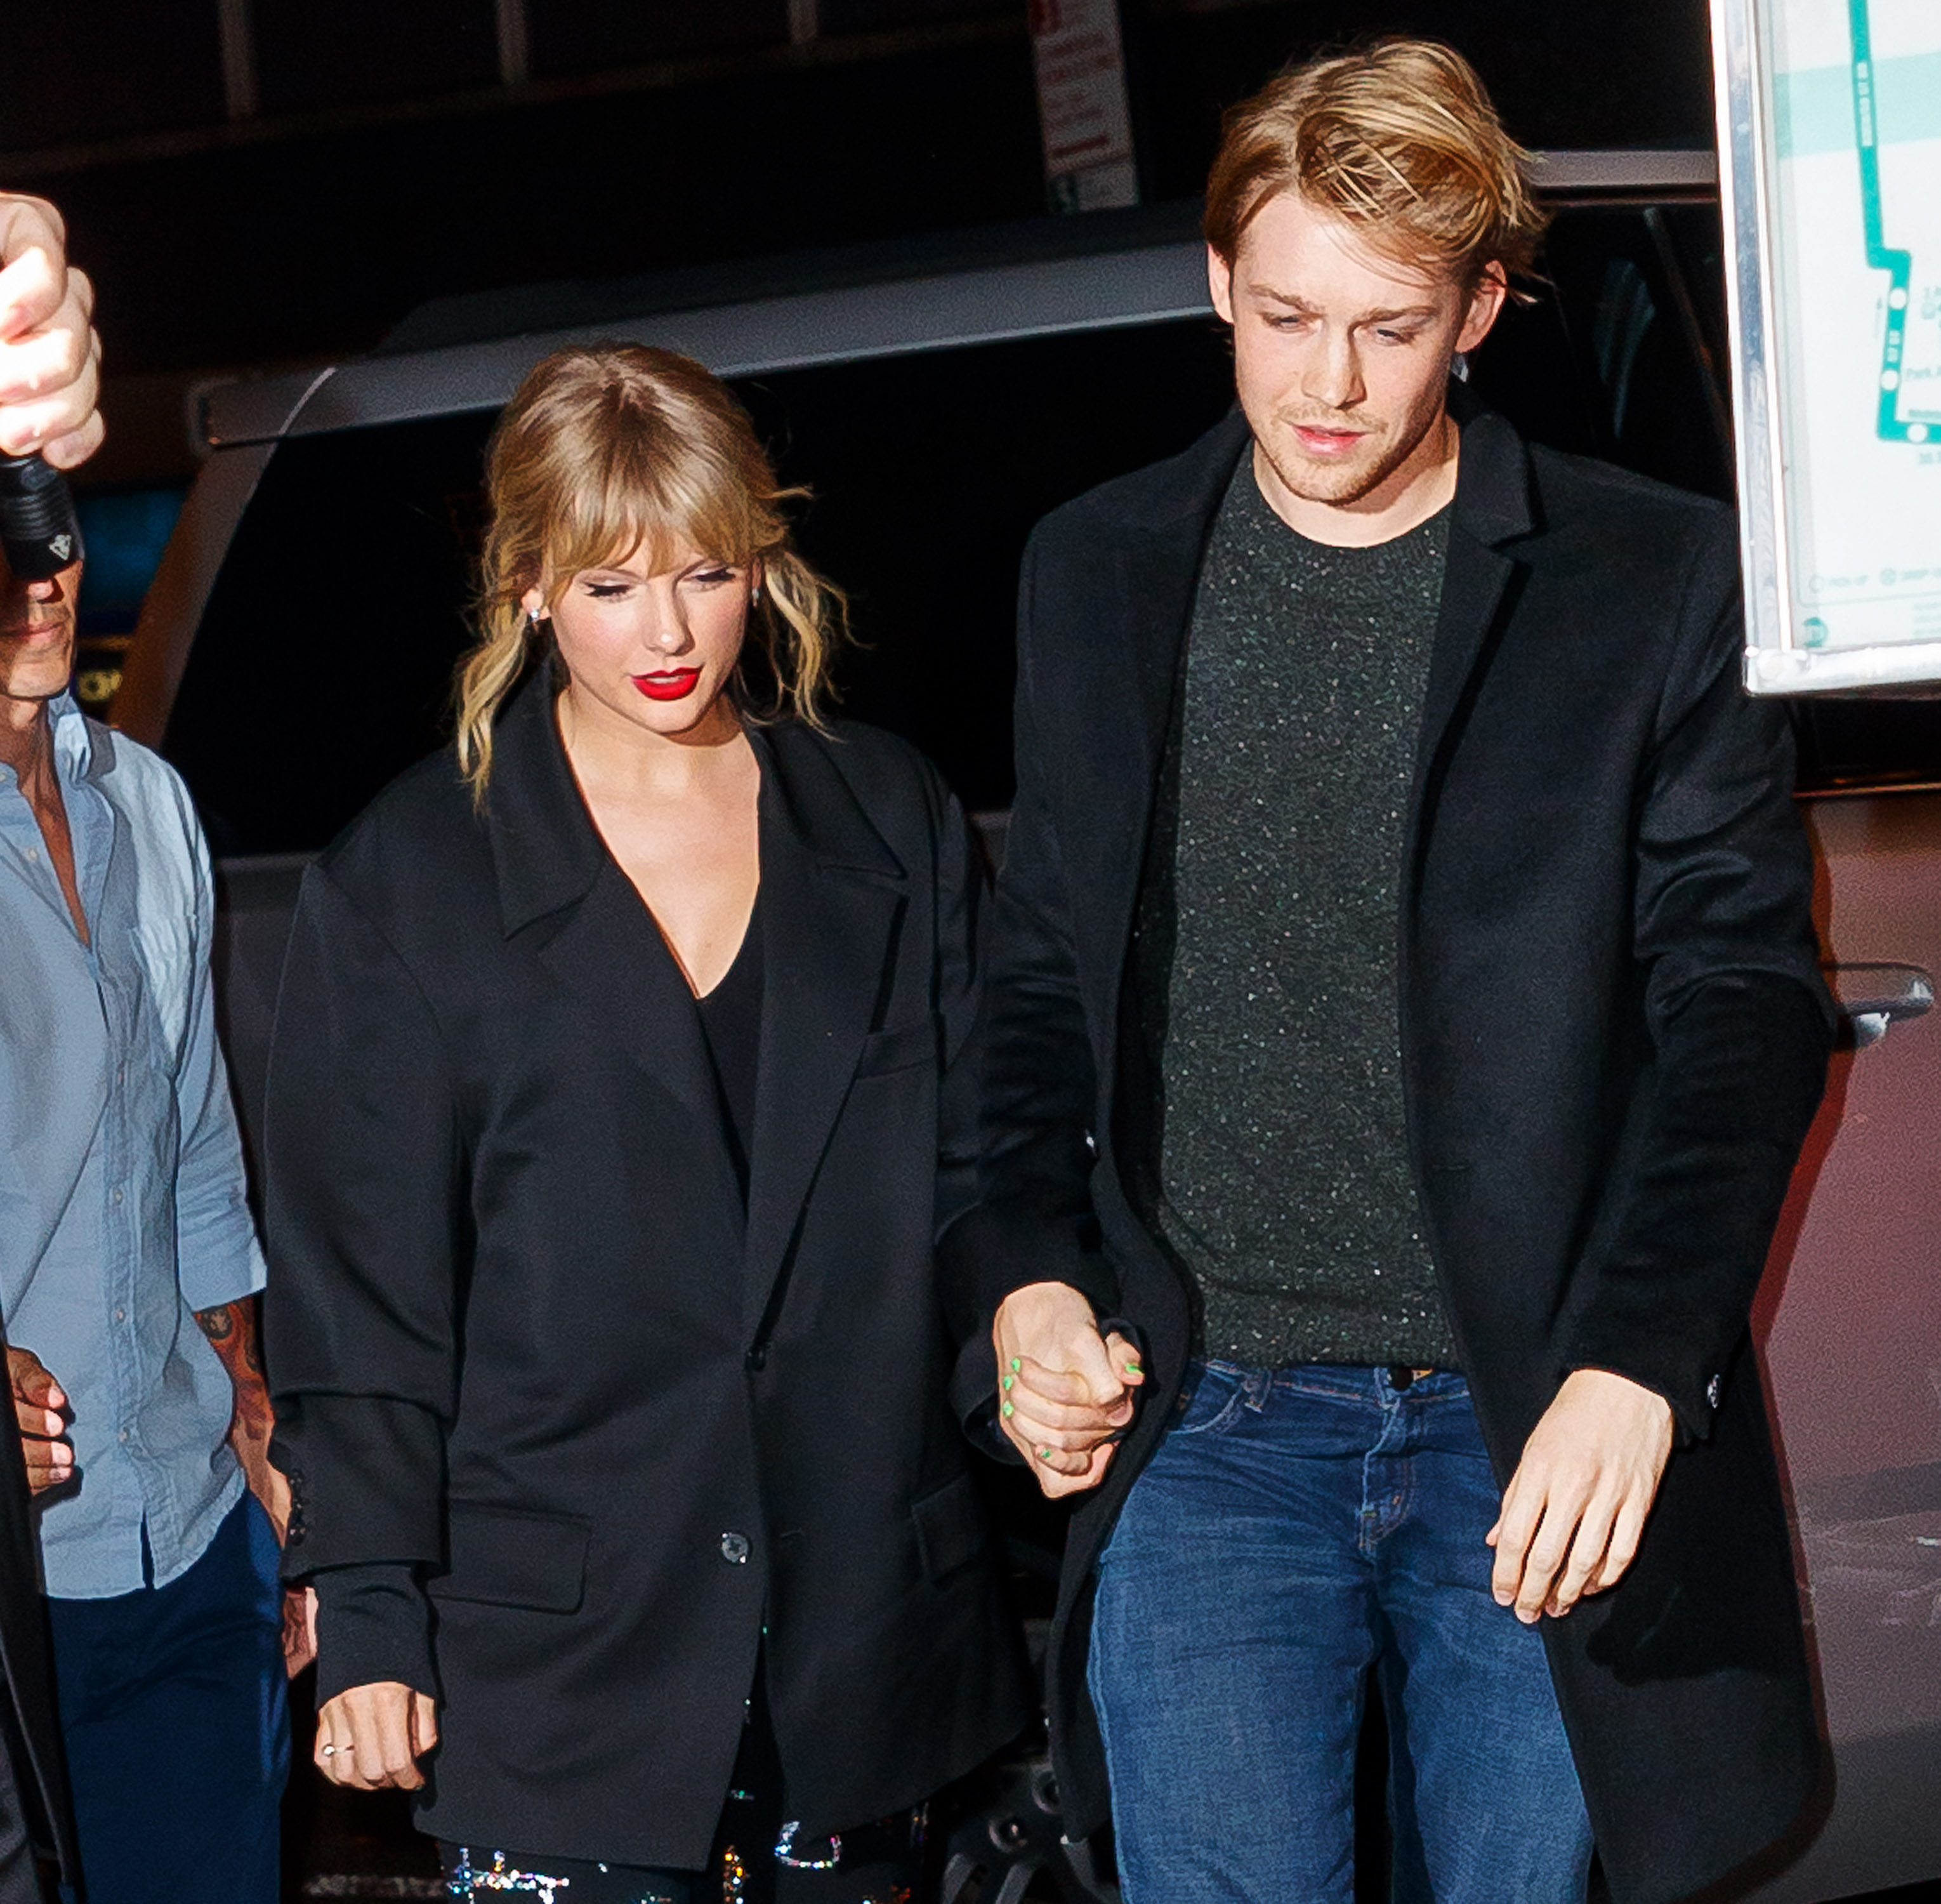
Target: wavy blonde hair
{"points": [[1398, 138], [613, 447]]}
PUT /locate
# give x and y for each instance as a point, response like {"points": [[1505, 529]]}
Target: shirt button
{"points": [[118, 1196], [735, 1549], [120, 1434], [120, 1315], [33, 856]]}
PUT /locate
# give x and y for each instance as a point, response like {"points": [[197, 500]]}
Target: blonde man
{"points": [[1403, 1015]]}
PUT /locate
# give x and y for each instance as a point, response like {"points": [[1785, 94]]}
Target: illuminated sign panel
{"points": [[1830, 150]]}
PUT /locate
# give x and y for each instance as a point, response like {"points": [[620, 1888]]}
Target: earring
{"points": [[755, 594]]}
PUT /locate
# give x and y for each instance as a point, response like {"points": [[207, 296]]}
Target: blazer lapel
{"points": [[1492, 507], [589, 928], [833, 898]]}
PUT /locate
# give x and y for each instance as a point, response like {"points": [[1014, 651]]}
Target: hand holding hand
{"points": [[50, 356], [38, 1399], [1065, 1391], [372, 1737], [1574, 1510]]}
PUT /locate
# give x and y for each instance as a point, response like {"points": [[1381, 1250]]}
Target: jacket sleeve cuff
{"points": [[367, 1477], [1680, 1375], [373, 1623]]}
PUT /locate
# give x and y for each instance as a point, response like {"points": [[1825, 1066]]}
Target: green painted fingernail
{"points": [[1044, 1454], [1133, 1368], [1009, 1411], [1016, 1363], [1008, 1380]]}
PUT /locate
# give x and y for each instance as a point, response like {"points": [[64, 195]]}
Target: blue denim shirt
{"points": [[121, 1189]]}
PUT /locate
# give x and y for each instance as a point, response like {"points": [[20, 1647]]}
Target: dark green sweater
{"points": [[1283, 1177]]}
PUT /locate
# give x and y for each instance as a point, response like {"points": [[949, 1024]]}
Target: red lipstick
{"points": [[672, 685]]}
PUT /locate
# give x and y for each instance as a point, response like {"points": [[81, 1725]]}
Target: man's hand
{"points": [[1574, 1510], [372, 1737], [38, 1399], [50, 356], [1065, 1391]]}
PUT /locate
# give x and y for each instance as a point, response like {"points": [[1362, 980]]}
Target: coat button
{"points": [[735, 1549], [757, 1357]]}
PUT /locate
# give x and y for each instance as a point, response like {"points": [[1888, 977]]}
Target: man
{"points": [[1403, 996], [128, 1262], [49, 382]]}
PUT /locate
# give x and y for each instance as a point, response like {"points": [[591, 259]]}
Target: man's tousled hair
{"points": [[1397, 138]]}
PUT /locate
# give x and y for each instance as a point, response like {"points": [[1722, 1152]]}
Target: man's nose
{"points": [[1332, 373]]}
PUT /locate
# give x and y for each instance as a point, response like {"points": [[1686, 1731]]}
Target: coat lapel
{"points": [[1137, 669], [589, 927], [1492, 507], [833, 898]]}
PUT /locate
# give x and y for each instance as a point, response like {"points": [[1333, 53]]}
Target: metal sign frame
{"points": [[1777, 660]]}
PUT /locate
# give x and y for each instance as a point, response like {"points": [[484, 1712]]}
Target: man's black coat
{"points": [[1614, 1034], [521, 1332], [33, 1752]]}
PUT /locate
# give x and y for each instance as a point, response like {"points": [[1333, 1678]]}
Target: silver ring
{"points": [[330, 1752]]}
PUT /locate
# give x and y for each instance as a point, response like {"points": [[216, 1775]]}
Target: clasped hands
{"points": [[1065, 1393], [1572, 1518]]}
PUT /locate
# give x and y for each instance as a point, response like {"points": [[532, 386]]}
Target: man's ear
{"points": [[1220, 283], [1486, 304]]}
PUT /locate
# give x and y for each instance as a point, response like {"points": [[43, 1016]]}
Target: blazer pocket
{"points": [[900, 1048], [500, 1557], [950, 1527]]}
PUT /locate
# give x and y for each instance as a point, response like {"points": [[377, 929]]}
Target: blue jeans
{"points": [[1296, 1527], [175, 1713]]}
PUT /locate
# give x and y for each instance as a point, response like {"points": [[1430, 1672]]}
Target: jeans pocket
{"points": [[1212, 1395]]}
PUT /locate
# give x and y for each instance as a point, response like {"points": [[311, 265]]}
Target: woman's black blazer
{"points": [[522, 1334]]}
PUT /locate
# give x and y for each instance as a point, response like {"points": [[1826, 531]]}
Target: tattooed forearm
{"points": [[232, 1328]]}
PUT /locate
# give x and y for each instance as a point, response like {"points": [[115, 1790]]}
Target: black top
{"points": [[1270, 907], [731, 1021]]}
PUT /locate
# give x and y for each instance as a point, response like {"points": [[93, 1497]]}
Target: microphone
{"points": [[38, 529]]}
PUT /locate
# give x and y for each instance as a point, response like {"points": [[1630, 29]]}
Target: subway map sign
{"points": [[1829, 120]]}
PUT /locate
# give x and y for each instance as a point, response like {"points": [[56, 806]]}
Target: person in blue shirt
{"points": [[129, 1265]]}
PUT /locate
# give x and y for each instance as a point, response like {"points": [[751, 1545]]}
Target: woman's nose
{"points": [[668, 635]]}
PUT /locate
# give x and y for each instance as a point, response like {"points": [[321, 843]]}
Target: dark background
{"points": [[289, 203]]}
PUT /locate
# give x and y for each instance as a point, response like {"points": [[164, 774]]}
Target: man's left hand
{"points": [[1574, 1510]]}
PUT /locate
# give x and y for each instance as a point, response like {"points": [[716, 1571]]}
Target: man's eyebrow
{"points": [[1295, 301]]}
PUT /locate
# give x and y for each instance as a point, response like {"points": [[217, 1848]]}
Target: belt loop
{"points": [[1256, 1385]]}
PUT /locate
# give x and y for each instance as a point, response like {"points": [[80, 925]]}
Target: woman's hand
{"points": [[1065, 1393], [372, 1737]]}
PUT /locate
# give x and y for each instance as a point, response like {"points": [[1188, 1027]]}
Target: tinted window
{"points": [[325, 659], [1617, 355]]}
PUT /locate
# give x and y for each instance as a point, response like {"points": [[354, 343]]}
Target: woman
{"points": [[610, 1120]]}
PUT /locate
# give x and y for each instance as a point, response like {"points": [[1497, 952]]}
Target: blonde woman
{"points": [[611, 1116]]}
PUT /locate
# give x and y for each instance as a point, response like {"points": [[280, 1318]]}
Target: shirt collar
{"points": [[74, 745]]}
